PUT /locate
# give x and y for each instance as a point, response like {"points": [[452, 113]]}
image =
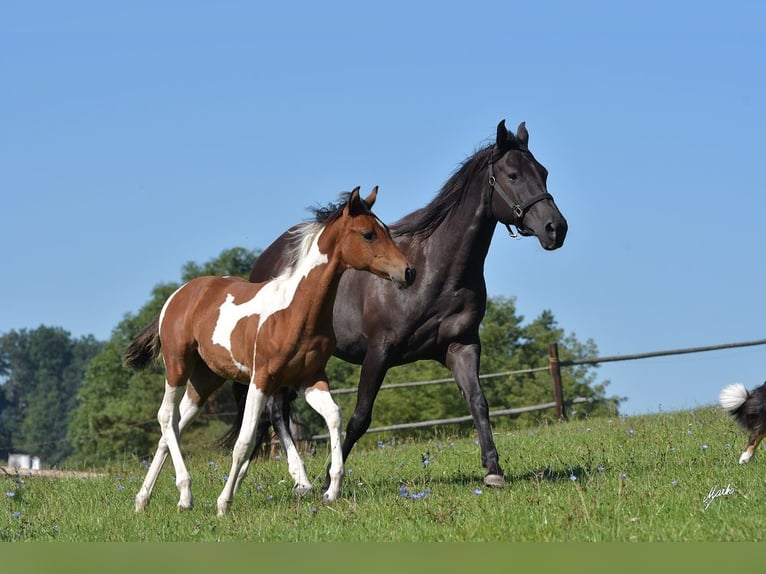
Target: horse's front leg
{"points": [[319, 398], [243, 448], [463, 361]]}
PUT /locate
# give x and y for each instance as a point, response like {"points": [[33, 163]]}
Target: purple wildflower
{"points": [[477, 491]]}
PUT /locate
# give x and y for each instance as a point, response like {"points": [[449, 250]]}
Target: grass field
{"points": [[622, 479]]}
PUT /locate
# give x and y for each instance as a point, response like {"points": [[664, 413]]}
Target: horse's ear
{"points": [[370, 199], [355, 206], [522, 134], [502, 134]]}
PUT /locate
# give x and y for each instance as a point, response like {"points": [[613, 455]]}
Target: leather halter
{"points": [[519, 209]]}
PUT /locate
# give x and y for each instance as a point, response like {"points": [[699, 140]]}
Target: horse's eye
{"points": [[513, 176], [368, 235]]}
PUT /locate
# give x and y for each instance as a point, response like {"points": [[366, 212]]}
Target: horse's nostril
{"points": [[409, 275], [550, 229]]}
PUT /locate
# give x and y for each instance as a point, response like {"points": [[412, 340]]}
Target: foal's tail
{"points": [[145, 347]]}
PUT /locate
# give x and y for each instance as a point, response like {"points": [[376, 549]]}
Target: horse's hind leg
{"points": [[243, 448], [168, 417], [318, 396], [189, 409], [279, 411]]}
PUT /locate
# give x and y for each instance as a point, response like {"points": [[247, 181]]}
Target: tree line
{"points": [[72, 402]]}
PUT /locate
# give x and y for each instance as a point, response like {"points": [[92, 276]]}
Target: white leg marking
{"points": [[168, 417], [189, 412], [243, 448], [297, 470], [321, 401], [746, 456]]}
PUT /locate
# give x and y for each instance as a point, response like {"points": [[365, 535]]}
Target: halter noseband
{"points": [[519, 209]]}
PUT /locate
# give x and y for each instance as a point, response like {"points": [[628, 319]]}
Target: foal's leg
{"points": [[202, 384], [188, 412], [168, 416], [279, 411], [319, 397], [243, 448]]}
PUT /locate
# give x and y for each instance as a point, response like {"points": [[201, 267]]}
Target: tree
{"points": [[40, 372], [117, 412]]}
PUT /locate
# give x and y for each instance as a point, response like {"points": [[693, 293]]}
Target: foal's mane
{"points": [[424, 221], [302, 235]]}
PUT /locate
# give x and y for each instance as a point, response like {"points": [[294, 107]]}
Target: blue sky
{"points": [[138, 136]]}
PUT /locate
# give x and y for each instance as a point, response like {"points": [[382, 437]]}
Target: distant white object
{"points": [[24, 461]]}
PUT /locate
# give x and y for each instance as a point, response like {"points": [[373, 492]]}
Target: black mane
{"points": [[330, 212], [425, 220]]}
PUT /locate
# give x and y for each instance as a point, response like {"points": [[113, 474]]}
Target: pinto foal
{"points": [[268, 335]]}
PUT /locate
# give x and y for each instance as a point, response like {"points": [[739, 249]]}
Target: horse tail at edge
{"points": [[145, 347]]}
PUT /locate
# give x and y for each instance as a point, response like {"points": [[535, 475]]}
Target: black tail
{"points": [[145, 347], [227, 440]]}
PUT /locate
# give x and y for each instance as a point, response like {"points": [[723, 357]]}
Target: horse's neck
{"points": [[316, 296], [466, 234]]}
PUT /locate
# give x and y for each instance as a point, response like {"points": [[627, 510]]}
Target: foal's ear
{"points": [[502, 135], [355, 206], [370, 199], [522, 134]]}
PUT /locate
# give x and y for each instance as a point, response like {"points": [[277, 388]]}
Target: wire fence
{"points": [[554, 366]]}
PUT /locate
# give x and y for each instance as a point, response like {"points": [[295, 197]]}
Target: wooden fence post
{"points": [[555, 369]]}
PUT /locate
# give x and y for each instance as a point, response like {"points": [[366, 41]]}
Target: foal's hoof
{"points": [[494, 480], [301, 489]]}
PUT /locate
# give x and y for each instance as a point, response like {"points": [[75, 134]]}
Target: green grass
{"points": [[621, 479]]}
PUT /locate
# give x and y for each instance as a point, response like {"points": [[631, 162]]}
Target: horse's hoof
{"points": [[223, 508], [183, 508], [301, 489], [140, 503], [494, 480], [328, 497]]}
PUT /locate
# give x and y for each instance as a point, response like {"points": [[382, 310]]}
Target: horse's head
{"points": [[367, 244], [518, 193]]}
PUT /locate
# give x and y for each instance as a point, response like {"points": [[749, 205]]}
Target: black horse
{"points": [[438, 318]]}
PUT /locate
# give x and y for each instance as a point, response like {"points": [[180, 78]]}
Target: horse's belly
{"points": [[296, 369]]}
